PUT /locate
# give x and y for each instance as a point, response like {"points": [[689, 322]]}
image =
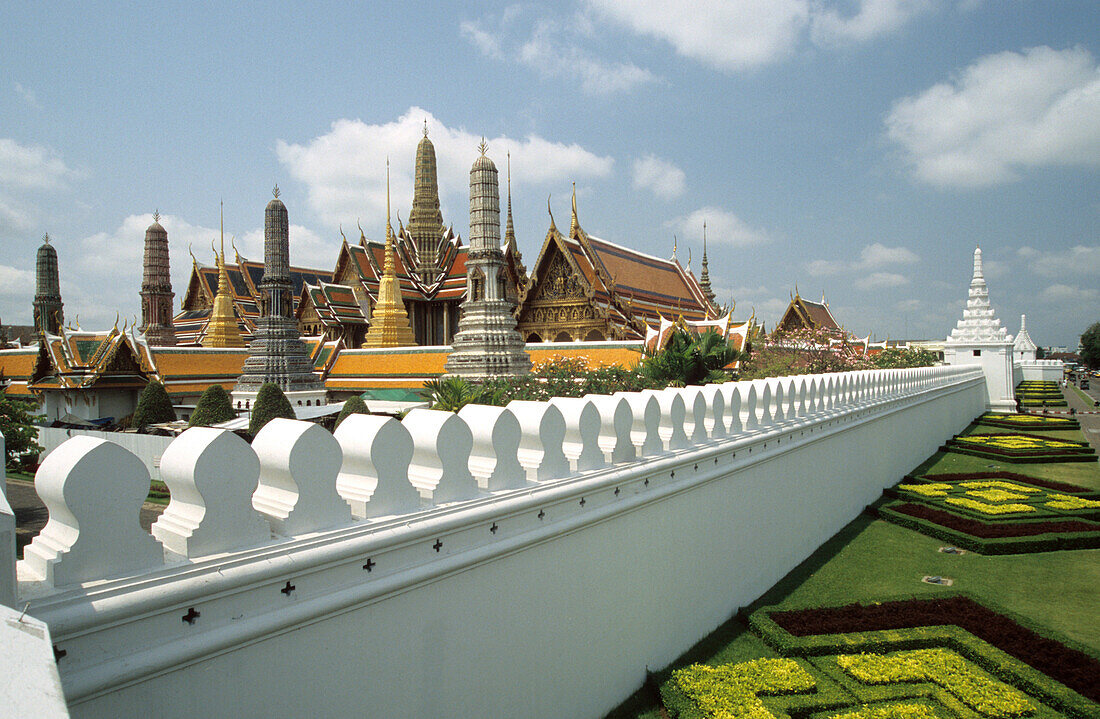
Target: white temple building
{"points": [[980, 339]]}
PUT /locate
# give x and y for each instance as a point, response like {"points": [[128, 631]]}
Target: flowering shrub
{"points": [[891, 711], [804, 351], [967, 683], [989, 508], [996, 495], [1065, 501], [935, 489], [729, 691], [1016, 441], [997, 484]]}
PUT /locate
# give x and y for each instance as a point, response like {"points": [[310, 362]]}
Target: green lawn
{"points": [[871, 559]]}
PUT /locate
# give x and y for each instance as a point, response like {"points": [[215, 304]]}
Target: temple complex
{"points": [[276, 353], [48, 308], [487, 344], [583, 288], [156, 288]]}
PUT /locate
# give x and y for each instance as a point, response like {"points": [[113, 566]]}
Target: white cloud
{"points": [[552, 57], [485, 41], [728, 35], [738, 35], [1078, 260], [881, 280], [15, 282], [871, 257], [662, 178], [32, 167], [344, 170], [1070, 295], [1005, 113], [16, 218], [872, 19], [28, 96], [553, 48], [723, 228], [878, 255]]}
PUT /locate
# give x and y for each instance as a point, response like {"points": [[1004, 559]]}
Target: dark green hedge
{"points": [[270, 403], [214, 407], [153, 406]]}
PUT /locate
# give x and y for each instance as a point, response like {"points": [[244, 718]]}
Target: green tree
{"points": [[20, 433], [270, 403], [214, 407], [1090, 346], [153, 406], [354, 405]]}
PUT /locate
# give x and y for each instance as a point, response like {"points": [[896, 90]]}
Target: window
{"points": [[977, 353]]}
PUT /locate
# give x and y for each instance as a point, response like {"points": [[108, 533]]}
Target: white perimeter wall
{"points": [[557, 617]]}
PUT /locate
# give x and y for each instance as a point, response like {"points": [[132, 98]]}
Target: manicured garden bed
{"points": [[1072, 666], [1028, 422], [1022, 448]]}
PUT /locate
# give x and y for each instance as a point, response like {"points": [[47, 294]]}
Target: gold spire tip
{"points": [[482, 147], [46, 238], [275, 191], [425, 128], [156, 215]]}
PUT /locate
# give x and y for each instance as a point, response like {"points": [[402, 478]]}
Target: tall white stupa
{"points": [[980, 339]]}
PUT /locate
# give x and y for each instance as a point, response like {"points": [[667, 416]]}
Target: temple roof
{"points": [[802, 312], [1023, 341]]}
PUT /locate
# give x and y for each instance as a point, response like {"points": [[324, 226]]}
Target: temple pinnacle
{"points": [[156, 215], [482, 147], [425, 127], [275, 191], [574, 223]]}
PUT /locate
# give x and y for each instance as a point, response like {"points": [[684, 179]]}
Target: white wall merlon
{"points": [[103, 614]]}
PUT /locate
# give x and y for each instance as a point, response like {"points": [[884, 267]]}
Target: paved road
{"points": [[31, 514], [1090, 423]]}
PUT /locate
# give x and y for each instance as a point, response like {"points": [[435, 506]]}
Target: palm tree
{"points": [[689, 358]]}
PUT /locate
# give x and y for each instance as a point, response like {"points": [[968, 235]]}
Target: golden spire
{"points": [[574, 224], [425, 135], [389, 323], [222, 329], [674, 247], [482, 148], [551, 212], [156, 215], [275, 191]]}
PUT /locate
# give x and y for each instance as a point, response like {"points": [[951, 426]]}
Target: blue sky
{"points": [[859, 148]]}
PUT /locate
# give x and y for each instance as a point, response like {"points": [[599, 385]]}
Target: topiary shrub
{"points": [[355, 405], [214, 407], [270, 403], [153, 406]]}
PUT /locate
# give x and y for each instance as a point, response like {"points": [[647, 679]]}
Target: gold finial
{"points": [[482, 147], [551, 212], [574, 223], [46, 238], [194, 259], [233, 244], [156, 215], [425, 132], [362, 237], [342, 234], [389, 269], [116, 320], [221, 220], [275, 190], [674, 247]]}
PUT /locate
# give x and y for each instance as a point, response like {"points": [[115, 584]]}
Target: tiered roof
{"points": [[979, 323], [75, 359], [630, 289], [802, 312]]}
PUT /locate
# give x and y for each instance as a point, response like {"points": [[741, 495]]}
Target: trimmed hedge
{"points": [[1032, 423], [153, 407], [214, 407], [354, 405], [270, 403]]}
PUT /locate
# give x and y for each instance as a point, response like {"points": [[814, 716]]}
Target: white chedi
{"points": [[979, 323]]}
